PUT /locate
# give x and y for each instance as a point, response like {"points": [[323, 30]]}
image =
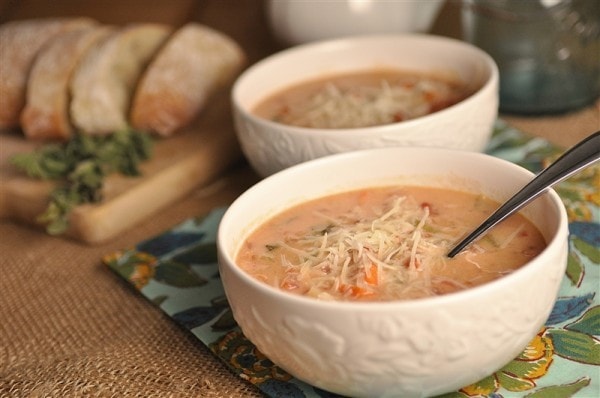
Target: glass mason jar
{"points": [[547, 51]]}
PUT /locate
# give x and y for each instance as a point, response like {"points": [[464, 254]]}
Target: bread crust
{"points": [[194, 62], [46, 112], [103, 84], [20, 42]]}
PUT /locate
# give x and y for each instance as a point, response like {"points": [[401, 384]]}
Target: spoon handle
{"points": [[579, 156]]}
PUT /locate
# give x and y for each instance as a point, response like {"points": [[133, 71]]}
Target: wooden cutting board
{"points": [[178, 165]]}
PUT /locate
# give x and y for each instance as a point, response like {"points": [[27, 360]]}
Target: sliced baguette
{"points": [[20, 42], [46, 112], [103, 84], [194, 62]]}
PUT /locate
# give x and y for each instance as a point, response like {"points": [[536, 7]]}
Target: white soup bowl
{"points": [[270, 146], [413, 348]]}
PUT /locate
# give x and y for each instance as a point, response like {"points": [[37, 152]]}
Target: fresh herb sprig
{"points": [[82, 163]]}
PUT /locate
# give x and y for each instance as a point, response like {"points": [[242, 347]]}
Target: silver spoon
{"points": [[579, 156]]}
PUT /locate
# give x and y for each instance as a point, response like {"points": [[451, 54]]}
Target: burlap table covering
{"points": [[69, 327]]}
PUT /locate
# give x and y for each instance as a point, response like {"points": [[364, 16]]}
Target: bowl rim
{"points": [[559, 237], [491, 82]]}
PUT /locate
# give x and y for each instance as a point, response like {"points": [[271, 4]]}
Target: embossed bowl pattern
{"points": [[270, 146], [414, 348]]}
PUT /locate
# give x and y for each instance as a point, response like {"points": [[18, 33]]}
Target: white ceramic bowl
{"points": [[411, 348], [271, 146]]}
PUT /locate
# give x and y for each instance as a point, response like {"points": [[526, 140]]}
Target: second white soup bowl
{"points": [[270, 146]]}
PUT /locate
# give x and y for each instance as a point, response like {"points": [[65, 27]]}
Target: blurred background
{"points": [[548, 51]]}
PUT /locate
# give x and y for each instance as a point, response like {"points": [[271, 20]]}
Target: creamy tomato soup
{"points": [[385, 244], [362, 99]]}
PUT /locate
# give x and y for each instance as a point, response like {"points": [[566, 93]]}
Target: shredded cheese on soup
{"points": [[392, 246], [361, 100]]}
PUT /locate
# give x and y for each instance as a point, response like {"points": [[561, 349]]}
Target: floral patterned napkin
{"points": [[177, 271]]}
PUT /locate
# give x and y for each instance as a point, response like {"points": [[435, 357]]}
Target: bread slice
{"points": [[20, 41], [103, 84], [46, 112], [194, 62]]}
